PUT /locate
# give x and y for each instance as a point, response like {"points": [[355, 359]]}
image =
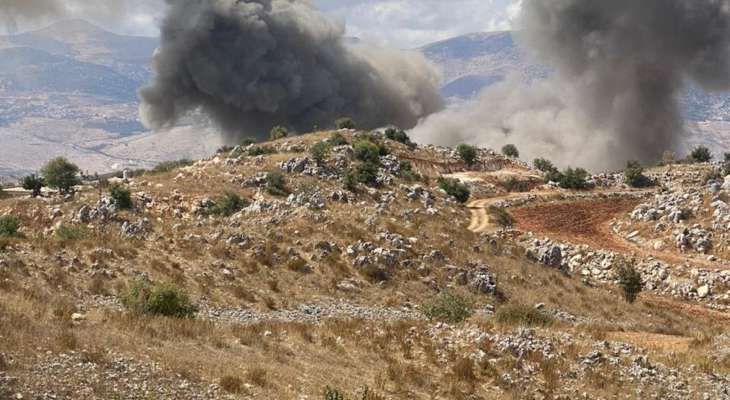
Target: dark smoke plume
{"points": [[252, 64], [620, 66]]}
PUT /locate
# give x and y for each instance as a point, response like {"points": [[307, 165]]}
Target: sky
{"points": [[395, 23]]}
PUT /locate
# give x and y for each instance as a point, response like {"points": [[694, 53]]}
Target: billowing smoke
{"points": [[253, 64], [620, 66]]}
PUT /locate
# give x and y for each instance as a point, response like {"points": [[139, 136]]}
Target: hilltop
{"points": [[347, 267]]}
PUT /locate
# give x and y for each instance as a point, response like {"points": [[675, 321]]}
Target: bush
{"points": [[629, 279], [34, 183], [523, 315], [455, 189], [407, 172], [247, 142], [228, 205], [510, 150], [350, 181], [367, 151], [9, 226], [573, 179], [467, 153], [121, 196], [337, 140], [332, 394], [634, 175], [319, 151], [260, 151], [515, 185], [279, 132], [544, 165], [61, 174], [141, 297], [69, 233], [367, 173], [701, 154], [400, 136], [501, 217], [448, 307], [231, 384], [168, 166], [276, 184], [345, 123]]}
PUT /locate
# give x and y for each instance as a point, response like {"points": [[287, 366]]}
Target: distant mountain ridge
{"points": [[472, 62]]}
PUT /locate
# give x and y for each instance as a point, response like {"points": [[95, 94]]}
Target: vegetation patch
{"points": [[141, 297], [455, 189], [523, 315], [9, 226], [448, 307], [69, 233]]}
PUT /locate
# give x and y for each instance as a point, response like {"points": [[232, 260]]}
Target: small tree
{"points": [[345, 123], [701, 154], [337, 140], [629, 279], [367, 151], [279, 132], [455, 189], [634, 175], [319, 151], [367, 173], [276, 184], [9, 226], [61, 174], [543, 165], [121, 196], [574, 179], [141, 297], [34, 183], [448, 307], [467, 153], [229, 204], [399, 136], [510, 150]]}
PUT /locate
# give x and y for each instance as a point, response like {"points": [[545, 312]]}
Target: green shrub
{"points": [[337, 140], [367, 173], [260, 151], [121, 196], [501, 216], [168, 166], [448, 307], [9, 226], [701, 154], [279, 132], [634, 175], [544, 165], [400, 136], [515, 185], [141, 297], [231, 384], [367, 151], [629, 279], [510, 150], [34, 183], [61, 174], [350, 181], [455, 189], [573, 179], [345, 123], [319, 151], [467, 153], [332, 394], [69, 233], [406, 172], [523, 315], [229, 204], [247, 142], [276, 184]]}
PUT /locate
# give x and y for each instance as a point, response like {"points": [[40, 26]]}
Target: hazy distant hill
{"points": [[471, 62]]}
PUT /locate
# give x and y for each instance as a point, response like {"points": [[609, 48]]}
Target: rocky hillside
{"points": [[336, 265]]}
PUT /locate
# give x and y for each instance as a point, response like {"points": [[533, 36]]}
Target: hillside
{"points": [[376, 286]]}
